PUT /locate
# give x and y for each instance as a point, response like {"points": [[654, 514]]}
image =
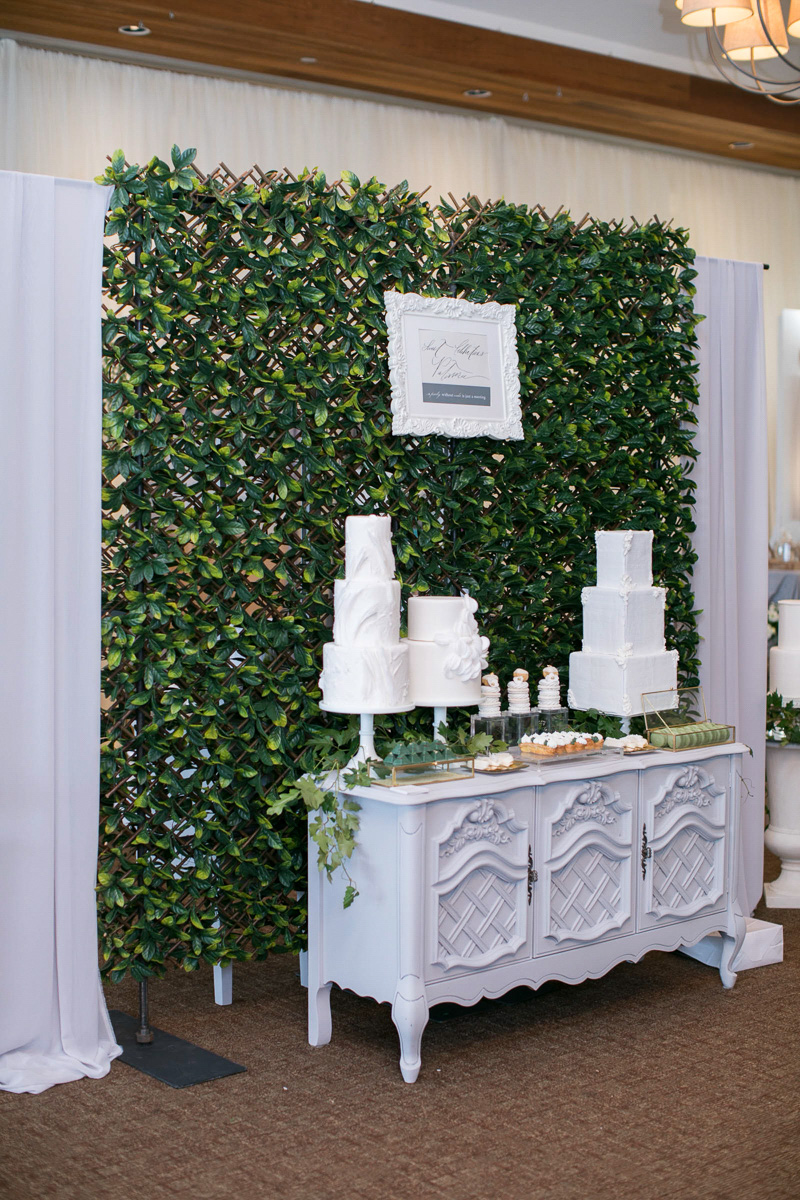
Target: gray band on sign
{"points": [[438, 393]]}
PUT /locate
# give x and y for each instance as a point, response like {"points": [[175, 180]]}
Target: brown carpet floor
{"points": [[652, 1082]]}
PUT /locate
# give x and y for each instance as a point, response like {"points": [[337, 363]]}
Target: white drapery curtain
{"points": [[63, 115], [53, 1021], [731, 514]]}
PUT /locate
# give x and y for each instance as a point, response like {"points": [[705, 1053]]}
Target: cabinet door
{"points": [[684, 841], [477, 896], [584, 862]]}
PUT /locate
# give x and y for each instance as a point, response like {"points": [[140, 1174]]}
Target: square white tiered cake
{"points": [[624, 653]]}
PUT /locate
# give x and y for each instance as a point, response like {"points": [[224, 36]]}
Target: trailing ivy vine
{"points": [[247, 413]]}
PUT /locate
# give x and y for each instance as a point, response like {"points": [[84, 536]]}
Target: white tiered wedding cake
{"points": [[624, 653], [784, 659], [365, 667], [446, 652]]}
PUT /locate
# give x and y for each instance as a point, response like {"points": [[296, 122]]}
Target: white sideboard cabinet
{"points": [[470, 888]]}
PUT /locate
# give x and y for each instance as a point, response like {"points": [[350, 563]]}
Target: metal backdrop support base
{"points": [[167, 1058], [163, 1056]]}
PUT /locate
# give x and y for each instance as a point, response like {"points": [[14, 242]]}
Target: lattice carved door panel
{"points": [[587, 894], [480, 866], [684, 845], [481, 920], [685, 874], [586, 862]]}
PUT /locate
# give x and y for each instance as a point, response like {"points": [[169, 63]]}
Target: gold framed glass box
{"points": [[421, 762], [677, 720]]}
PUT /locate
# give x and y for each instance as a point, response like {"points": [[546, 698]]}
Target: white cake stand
{"points": [[440, 716], [366, 745]]}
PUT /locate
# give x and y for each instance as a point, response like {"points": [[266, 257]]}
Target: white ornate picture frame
{"points": [[453, 367]]}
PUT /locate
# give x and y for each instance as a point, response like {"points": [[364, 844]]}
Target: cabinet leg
{"points": [[731, 945], [727, 976], [319, 1015], [410, 1018]]}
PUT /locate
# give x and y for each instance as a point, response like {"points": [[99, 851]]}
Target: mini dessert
{"points": [[549, 689], [630, 742], [491, 697], [560, 743], [519, 693], [500, 761], [543, 744]]}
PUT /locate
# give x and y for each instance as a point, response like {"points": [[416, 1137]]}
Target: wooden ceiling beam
{"points": [[372, 48]]}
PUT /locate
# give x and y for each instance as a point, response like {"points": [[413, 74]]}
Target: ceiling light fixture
{"points": [[137, 30], [755, 33], [482, 93]]}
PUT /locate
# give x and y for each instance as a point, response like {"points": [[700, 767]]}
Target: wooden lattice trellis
{"points": [[247, 413]]}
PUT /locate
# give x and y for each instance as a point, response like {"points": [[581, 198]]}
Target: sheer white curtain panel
{"points": [[53, 1021], [731, 513]]}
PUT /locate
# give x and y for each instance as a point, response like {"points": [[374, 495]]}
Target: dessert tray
{"points": [[517, 765], [420, 763], [555, 760], [628, 745]]}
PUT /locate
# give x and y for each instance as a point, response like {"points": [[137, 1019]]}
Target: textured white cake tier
{"points": [[784, 672], [430, 617], [615, 618], [784, 659], [366, 612], [363, 679], [615, 684], [624, 558], [789, 624], [447, 654], [429, 683], [368, 548]]}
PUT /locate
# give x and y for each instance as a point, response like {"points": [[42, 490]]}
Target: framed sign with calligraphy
{"points": [[453, 367]]}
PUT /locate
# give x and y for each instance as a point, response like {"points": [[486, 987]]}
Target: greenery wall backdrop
{"points": [[247, 413]]}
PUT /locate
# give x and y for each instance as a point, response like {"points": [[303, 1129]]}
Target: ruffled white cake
{"points": [[624, 653], [784, 659], [365, 667], [446, 654]]}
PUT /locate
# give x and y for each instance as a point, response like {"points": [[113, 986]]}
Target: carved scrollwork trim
{"points": [[692, 785], [593, 801], [488, 820]]}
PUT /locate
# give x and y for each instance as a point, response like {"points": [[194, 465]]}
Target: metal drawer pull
{"points": [[532, 875], [646, 851]]}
